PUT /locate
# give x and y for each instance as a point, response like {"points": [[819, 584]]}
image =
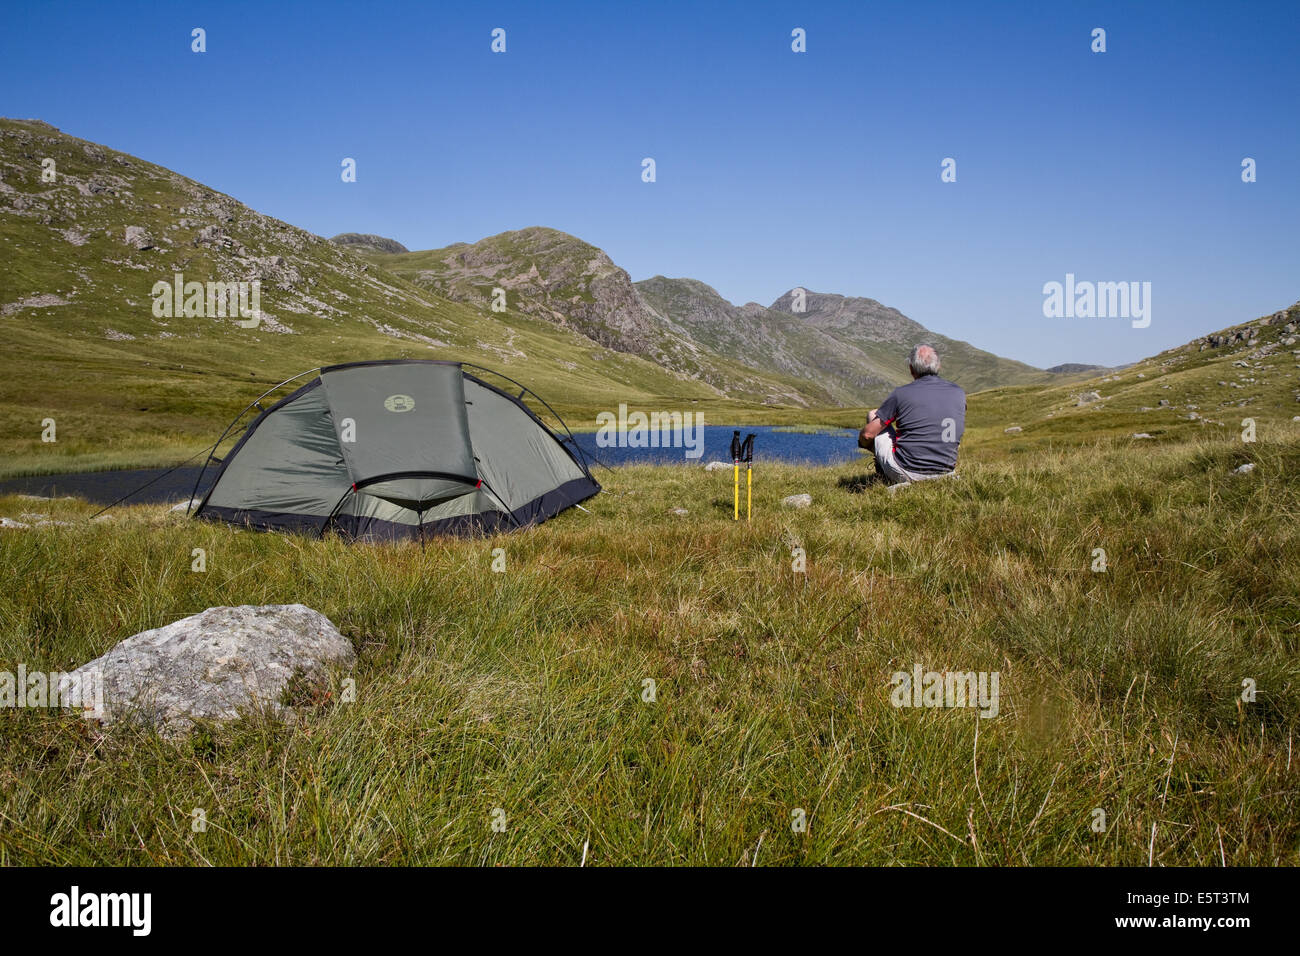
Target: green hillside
{"points": [[125, 386]]}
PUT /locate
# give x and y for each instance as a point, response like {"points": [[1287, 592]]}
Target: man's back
{"points": [[928, 417]]}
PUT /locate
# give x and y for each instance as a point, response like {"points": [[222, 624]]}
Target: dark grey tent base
{"points": [[359, 526]]}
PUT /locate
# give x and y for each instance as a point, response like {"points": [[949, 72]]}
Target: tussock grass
{"points": [[523, 690]]}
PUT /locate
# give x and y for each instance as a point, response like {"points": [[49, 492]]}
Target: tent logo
{"points": [[399, 403]]}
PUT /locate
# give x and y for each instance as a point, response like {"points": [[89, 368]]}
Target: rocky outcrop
{"points": [[367, 242]]}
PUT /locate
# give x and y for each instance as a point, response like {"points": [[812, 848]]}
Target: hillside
{"points": [[885, 335], [555, 277], [80, 259], [1206, 388], [81, 256], [843, 351], [769, 339]]}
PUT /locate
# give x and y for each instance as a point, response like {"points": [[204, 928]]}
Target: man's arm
{"points": [[870, 430]]}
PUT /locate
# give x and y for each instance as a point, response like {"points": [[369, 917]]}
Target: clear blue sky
{"points": [[775, 169]]}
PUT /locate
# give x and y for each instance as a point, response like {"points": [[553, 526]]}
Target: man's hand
{"points": [[873, 427]]}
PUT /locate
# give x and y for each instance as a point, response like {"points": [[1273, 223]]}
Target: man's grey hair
{"points": [[924, 360]]}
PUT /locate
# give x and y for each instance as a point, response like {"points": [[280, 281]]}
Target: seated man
{"points": [[916, 430]]}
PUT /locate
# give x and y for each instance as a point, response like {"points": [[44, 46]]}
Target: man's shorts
{"points": [[888, 466]]}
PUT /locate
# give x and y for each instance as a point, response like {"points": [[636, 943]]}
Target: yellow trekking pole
{"points": [[735, 476], [747, 453]]}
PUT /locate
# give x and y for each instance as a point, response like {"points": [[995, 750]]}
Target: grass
{"points": [[522, 690]]}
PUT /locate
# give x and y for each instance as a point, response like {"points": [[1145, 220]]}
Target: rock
{"points": [[185, 505], [1087, 398], [1013, 430], [137, 237], [11, 523], [1192, 416], [1141, 375], [717, 465], [1141, 435], [797, 501], [1245, 469], [1295, 418], [215, 664], [1223, 385], [680, 512], [1163, 403]]}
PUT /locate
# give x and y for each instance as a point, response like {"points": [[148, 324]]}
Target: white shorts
{"points": [[895, 473]]}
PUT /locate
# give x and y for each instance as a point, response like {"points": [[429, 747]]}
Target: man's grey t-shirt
{"points": [[928, 416]]}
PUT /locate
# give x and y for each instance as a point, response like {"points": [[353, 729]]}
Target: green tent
{"points": [[398, 449]]}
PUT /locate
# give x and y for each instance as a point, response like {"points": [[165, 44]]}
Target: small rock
{"points": [[682, 512], [11, 523], [137, 237], [797, 501], [1141, 435], [1245, 469], [185, 505], [1087, 398], [1163, 403], [1013, 430], [717, 465]]}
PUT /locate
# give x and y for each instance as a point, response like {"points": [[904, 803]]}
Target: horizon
{"points": [[1116, 167]]}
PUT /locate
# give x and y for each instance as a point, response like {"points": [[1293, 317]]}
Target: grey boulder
{"points": [[215, 665]]}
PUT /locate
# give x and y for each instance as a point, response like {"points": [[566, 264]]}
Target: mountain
{"points": [[843, 351], [88, 234], [886, 336], [554, 277], [1070, 368], [768, 339], [359, 240]]}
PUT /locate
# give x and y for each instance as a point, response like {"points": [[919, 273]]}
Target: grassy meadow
{"points": [[522, 691]]}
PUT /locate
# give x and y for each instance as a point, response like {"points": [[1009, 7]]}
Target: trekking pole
{"points": [[747, 452], [735, 476]]}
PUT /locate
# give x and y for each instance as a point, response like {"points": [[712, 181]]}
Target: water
{"points": [[832, 447], [169, 485]]}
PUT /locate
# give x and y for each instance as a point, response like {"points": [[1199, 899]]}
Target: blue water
{"points": [[176, 484], [820, 449]]}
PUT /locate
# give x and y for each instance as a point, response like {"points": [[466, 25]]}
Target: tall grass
{"points": [[523, 691]]}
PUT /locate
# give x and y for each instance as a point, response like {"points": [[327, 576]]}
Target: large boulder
{"points": [[215, 665]]}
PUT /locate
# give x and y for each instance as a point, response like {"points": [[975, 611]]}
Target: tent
{"points": [[397, 449]]}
